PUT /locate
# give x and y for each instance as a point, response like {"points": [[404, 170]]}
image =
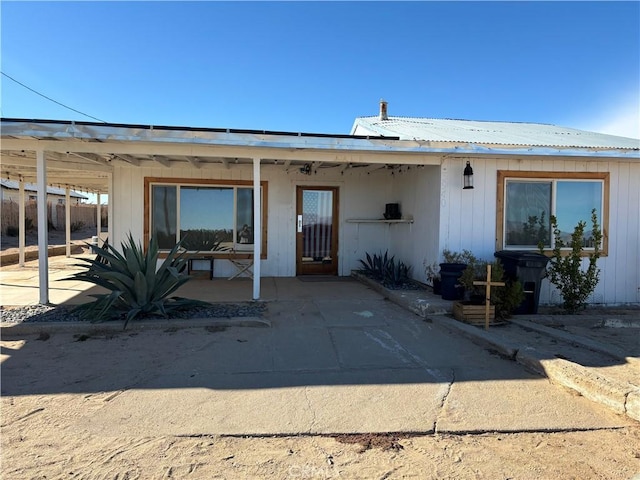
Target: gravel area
{"points": [[48, 313]]}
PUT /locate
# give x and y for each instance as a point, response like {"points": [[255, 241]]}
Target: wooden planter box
{"points": [[473, 314]]}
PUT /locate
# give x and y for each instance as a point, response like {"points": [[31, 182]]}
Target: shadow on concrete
{"points": [[333, 333]]}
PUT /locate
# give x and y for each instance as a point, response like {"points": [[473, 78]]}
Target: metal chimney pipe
{"points": [[383, 110]]}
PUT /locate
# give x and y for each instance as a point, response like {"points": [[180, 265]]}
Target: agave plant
{"points": [[136, 288], [376, 266], [396, 274]]}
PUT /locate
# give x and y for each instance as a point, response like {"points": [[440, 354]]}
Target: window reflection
{"points": [[206, 218], [528, 214], [244, 217], [530, 203], [575, 201], [164, 215]]}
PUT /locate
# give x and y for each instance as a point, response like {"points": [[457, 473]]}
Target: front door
{"points": [[317, 231]]}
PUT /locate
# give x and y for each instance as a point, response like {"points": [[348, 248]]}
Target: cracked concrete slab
{"points": [[508, 404], [276, 403], [325, 366]]}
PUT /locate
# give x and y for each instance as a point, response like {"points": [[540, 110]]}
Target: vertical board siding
{"points": [[445, 215], [416, 244], [472, 225]]}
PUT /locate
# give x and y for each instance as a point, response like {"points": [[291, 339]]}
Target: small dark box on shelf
{"points": [[392, 211]]}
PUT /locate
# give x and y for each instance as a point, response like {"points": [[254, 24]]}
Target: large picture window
{"points": [[529, 199], [207, 216]]}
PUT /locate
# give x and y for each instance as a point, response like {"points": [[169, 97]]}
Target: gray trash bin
{"points": [[528, 268]]}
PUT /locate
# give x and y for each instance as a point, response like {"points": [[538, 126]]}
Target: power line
{"points": [[50, 99]]}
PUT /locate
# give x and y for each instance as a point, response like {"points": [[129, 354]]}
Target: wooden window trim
{"points": [[200, 181], [503, 175]]}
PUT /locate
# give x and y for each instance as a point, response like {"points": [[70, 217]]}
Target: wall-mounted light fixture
{"points": [[468, 177], [306, 169]]}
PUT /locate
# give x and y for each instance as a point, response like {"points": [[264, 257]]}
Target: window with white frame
{"points": [[529, 199], [206, 217]]}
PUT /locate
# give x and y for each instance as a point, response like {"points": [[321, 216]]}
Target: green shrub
{"points": [[565, 269], [137, 289], [458, 257], [75, 226], [12, 230]]}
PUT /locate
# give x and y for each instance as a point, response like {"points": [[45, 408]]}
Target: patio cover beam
{"points": [[59, 164], [337, 155]]}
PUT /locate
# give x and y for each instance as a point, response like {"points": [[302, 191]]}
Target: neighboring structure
{"points": [[9, 190], [323, 197]]}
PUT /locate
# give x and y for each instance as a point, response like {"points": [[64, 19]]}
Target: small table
{"points": [[201, 259]]}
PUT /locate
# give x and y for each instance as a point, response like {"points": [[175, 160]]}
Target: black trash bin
{"points": [[528, 268], [450, 273]]}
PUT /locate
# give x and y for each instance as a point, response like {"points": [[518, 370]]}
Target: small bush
{"points": [[565, 270], [75, 226], [458, 257]]}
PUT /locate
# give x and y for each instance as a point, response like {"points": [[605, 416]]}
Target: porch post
{"points": [[110, 202], [21, 223], [43, 237], [67, 219], [257, 228], [98, 218]]}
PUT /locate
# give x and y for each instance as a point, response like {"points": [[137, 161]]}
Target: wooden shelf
{"points": [[381, 220]]}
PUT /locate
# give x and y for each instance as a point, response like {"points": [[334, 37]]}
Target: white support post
{"points": [[110, 202], [257, 228], [21, 223], [67, 219], [43, 237], [98, 218]]}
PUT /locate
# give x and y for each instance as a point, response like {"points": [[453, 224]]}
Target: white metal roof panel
{"points": [[494, 133]]}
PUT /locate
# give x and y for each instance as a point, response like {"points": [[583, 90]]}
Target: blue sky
{"points": [[314, 67]]}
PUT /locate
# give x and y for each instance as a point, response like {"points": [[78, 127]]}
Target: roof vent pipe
{"points": [[383, 110]]}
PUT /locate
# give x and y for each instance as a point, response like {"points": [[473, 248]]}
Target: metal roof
{"points": [[32, 187], [83, 155], [491, 133]]}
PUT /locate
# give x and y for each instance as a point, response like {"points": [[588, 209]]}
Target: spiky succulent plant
{"points": [[137, 287]]}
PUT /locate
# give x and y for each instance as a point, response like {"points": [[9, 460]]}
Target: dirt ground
{"points": [[39, 443], [56, 237]]}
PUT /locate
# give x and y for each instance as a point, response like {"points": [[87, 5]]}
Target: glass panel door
{"points": [[317, 230]]}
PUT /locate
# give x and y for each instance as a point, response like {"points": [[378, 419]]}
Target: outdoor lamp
{"points": [[468, 177]]}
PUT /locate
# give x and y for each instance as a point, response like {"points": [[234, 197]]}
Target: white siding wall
{"points": [[361, 195], [468, 219], [445, 215], [418, 192]]}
